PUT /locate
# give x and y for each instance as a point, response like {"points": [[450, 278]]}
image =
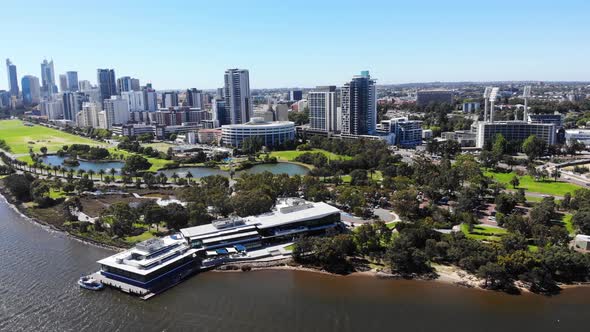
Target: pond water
{"points": [[278, 168], [55, 160]]}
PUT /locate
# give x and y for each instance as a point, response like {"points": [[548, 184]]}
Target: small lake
{"points": [[55, 160], [278, 168]]}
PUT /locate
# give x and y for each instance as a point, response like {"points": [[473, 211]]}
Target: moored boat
{"points": [[87, 282]]}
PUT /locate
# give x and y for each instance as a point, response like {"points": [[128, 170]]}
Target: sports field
{"points": [[20, 137]]}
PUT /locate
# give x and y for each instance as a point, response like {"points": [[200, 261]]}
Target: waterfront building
{"points": [[117, 111], [271, 133], [48, 86], [72, 81], [107, 85], [514, 131], [31, 90], [359, 106], [295, 95], [323, 109], [237, 95], [402, 132], [12, 78], [151, 265], [426, 97]]}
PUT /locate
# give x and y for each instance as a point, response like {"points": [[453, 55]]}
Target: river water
{"points": [[38, 292]]}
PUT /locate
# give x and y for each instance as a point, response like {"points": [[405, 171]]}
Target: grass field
{"points": [[20, 137], [567, 222], [162, 147], [549, 187], [290, 155], [481, 232]]}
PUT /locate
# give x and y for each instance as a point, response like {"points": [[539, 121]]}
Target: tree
{"points": [[581, 220], [101, 172], [534, 147], [555, 173], [499, 147], [176, 216], [494, 275], [123, 218], [91, 173], [249, 203], [189, 176], [358, 177], [43, 150], [505, 203], [515, 181], [175, 177], [402, 256], [135, 163]]}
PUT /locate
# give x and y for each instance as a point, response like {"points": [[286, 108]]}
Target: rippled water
{"points": [[38, 292], [278, 168]]}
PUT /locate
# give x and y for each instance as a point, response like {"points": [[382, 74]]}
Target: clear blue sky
{"points": [[180, 44]]}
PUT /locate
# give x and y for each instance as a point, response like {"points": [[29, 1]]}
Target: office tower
{"points": [[220, 93], [295, 95], [63, 83], [48, 86], [135, 84], [84, 85], [194, 98], [359, 105], [31, 90], [135, 100], [116, 110], [220, 112], [169, 99], [124, 84], [12, 78], [237, 95], [107, 84], [323, 109], [72, 79], [150, 98], [54, 109], [71, 105]]}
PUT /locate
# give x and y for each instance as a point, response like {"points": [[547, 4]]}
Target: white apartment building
{"points": [[117, 111], [135, 100], [323, 109]]}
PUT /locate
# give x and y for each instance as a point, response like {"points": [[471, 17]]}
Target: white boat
{"points": [[87, 282]]}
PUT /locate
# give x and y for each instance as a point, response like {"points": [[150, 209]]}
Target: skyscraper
{"points": [[135, 84], [169, 99], [12, 78], [71, 105], [359, 105], [63, 83], [237, 95], [124, 84], [295, 95], [117, 111], [106, 83], [31, 90], [323, 109], [72, 79], [194, 98], [48, 86]]}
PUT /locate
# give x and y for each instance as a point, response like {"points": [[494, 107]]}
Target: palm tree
{"points": [[175, 177], [101, 173], [71, 173], [63, 171], [91, 173], [55, 169], [189, 176], [80, 172], [113, 171], [556, 173]]}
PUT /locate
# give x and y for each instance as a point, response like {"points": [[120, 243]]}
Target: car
{"points": [[492, 218]]}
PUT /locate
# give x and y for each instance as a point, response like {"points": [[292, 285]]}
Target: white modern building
{"points": [[402, 131], [580, 135], [117, 111], [236, 91], [272, 133], [323, 109], [89, 115], [135, 100]]}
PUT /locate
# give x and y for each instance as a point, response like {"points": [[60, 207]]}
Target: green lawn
{"points": [[376, 176], [290, 155], [20, 137], [141, 237], [567, 222], [162, 147], [481, 232], [290, 247], [549, 187]]}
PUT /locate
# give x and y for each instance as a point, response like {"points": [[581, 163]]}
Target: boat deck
{"points": [[141, 292]]}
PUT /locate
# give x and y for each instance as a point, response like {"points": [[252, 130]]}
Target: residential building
{"points": [[359, 106], [84, 85], [72, 81], [323, 108], [471, 107], [135, 84], [12, 78], [402, 131], [117, 111], [426, 97], [237, 95], [89, 115], [53, 109], [169, 99], [271, 133], [31, 90], [135, 100], [72, 103], [107, 85], [150, 97], [281, 112]]}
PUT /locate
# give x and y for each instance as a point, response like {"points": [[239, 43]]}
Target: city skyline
{"points": [[399, 43]]}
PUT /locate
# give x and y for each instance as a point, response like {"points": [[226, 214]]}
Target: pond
{"points": [[55, 160], [278, 168]]}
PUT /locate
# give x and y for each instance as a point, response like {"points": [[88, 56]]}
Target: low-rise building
{"points": [[402, 132], [272, 133], [516, 131]]}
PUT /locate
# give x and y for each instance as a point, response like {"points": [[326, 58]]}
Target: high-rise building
{"points": [[124, 84], [295, 95], [88, 116], [12, 78], [31, 90], [63, 83], [169, 99], [135, 100], [84, 85], [72, 79], [220, 112], [117, 111], [359, 105], [135, 84], [48, 87], [237, 95], [281, 111], [106, 83], [322, 103], [54, 109], [72, 103], [194, 98]]}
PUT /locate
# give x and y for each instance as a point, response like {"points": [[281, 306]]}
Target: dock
{"points": [[143, 293]]}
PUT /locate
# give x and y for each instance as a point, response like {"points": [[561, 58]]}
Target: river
{"points": [[38, 292]]}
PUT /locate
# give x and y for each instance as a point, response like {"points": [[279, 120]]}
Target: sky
{"points": [[179, 44]]}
